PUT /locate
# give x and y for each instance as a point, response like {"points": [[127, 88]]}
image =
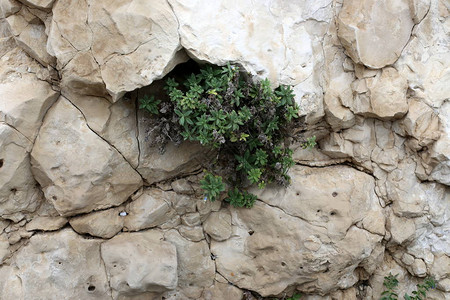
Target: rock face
{"points": [[90, 209], [374, 33], [49, 268], [152, 268], [78, 171], [308, 237]]}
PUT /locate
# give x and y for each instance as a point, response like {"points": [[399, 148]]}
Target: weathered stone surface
{"points": [[151, 209], [222, 291], [18, 191], [382, 96], [42, 4], [29, 32], [422, 123], [115, 122], [46, 223], [127, 58], [104, 224], [49, 268], [25, 101], [196, 269], [218, 225], [374, 33], [78, 171], [289, 243], [152, 267], [191, 233]]}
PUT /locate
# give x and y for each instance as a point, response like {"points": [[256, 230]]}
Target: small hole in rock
{"points": [[301, 268], [283, 264], [1, 162], [115, 266], [54, 198], [334, 194], [251, 232], [298, 194], [318, 210], [13, 190], [91, 288], [59, 263], [332, 213]]}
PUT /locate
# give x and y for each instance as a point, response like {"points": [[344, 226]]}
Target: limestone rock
{"points": [[5, 252], [218, 225], [115, 122], [49, 268], [104, 224], [78, 171], [422, 123], [401, 229], [127, 58], [382, 96], [194, 233], [374, 33], [46, 223], [25, 101], [191, 219], [222, 291], [336, 205], [150, 209], [18, 191], [29, 33], [196, 269], [42, 4], [141, 262], [270, 250]]}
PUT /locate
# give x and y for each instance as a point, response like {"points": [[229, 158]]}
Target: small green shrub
{"points": [[391, 283], [248, 123]]}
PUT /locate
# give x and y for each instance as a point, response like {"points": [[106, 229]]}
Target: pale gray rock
{"points": [[46, 223], [382, 96], [49, 268], [191, 219], [151, 209], [125, 57], [137, 263], [191, 233], [78, 171], [115, 122], [104, 224], [374, 33], [42, 4], [25, 101], [222, 291], [196, 269], [218, 225], [270, 251], [18, 191], [29, 32], [402, 230]]}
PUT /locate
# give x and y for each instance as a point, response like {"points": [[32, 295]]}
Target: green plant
{"points": [[295, 297], [422, 289], [248, 123], [391, 283]]}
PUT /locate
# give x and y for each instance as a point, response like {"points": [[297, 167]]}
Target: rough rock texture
{"points": [[375, 32], [78, 170], [372, 82], [151, 268]]}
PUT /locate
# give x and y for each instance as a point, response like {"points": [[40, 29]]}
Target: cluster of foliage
{"points": [[248, 123], [391, 283]]}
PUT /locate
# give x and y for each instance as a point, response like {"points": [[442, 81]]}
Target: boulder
{"points": [[104, 224], [374, 33], [150, 209], [49, 268], [79, 171], [305, 236], [138, 263]]}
